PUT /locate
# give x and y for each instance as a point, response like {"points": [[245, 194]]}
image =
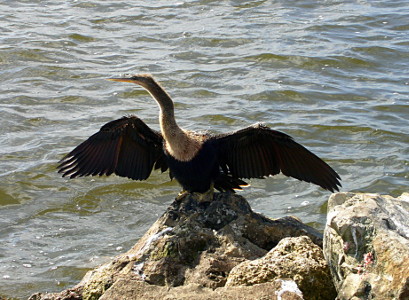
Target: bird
{"points": [[199, 161]]}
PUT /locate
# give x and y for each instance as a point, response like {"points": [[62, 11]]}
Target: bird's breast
{"points": [[196, 174], [184, 147]]}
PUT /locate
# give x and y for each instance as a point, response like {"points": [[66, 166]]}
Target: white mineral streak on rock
{"points": [[288, 286], [138, 269], [154, 238], [138, 266]]}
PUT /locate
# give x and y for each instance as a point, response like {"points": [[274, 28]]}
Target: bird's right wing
{"points": [[126, 147]]}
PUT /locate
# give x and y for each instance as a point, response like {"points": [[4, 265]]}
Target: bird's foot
{"points": [[182, 194], [204, 197], [198, 197]]}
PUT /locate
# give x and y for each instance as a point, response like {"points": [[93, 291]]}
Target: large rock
{"points": [[192, 249], [366, 242], [128, 289], [297, 258]]}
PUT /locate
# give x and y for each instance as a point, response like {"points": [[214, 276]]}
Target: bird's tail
{"points": [[226, 183]]}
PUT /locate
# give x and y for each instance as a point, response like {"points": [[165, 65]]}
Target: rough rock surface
{"points": [[278, 289], [366, 243], [192, 248], [297, 258]]}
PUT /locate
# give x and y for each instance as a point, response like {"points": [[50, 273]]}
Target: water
{"points": [[333, 74]]}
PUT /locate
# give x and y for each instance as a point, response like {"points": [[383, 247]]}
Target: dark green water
{"points": [[333, 74]]}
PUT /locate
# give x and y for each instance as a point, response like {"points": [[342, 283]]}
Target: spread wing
{"points": [[258, 151], [126, 147]]}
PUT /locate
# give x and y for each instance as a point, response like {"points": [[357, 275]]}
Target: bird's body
{"points": [[128, 147], [186, 172]]}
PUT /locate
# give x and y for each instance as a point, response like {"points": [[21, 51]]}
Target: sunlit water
{"points": [[333, 74]]}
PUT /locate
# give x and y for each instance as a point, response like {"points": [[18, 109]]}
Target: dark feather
{"points": [[126, 147], [258, 151]]}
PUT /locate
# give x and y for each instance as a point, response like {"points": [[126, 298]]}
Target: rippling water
{"points": [[332, 74]]}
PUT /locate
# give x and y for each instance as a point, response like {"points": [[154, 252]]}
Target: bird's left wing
{"points": [[258, 151], [126, 147]]}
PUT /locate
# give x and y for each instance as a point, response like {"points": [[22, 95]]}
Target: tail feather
{"points": [[226, 183]]}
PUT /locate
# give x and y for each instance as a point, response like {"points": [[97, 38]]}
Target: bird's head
{"points": [[144, 80], [147, 82]]}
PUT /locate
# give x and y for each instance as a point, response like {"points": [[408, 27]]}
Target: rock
{"points": [[192, 248], [297, 258], [366, 243], [128, 289]]}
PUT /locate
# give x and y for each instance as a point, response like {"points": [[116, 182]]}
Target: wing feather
{"points": [[126, 147], [258, 151]]}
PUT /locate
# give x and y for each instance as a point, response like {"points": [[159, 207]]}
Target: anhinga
{"points": [[198, 161]]}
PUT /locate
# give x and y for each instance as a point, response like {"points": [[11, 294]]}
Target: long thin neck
{"points": [[161, 97], [167, 119], [179, 143], [170, 129]]}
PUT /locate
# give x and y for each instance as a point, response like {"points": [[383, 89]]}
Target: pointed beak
{"points": [[122, 79]]}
